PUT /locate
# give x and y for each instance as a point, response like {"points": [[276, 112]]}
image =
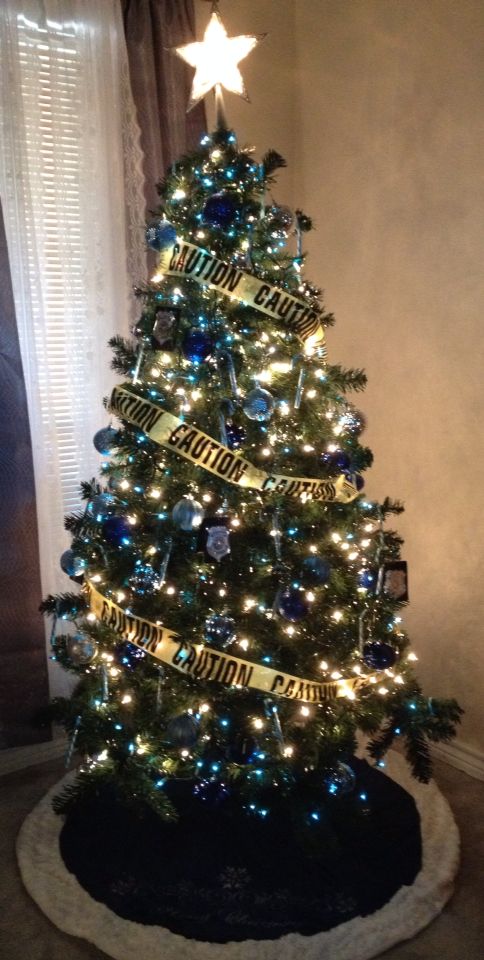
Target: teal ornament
{"points": [[144, 580], [340, 780], [315, 571], [105, 440], [160, 234], [258, 404], [182, 731], [187, 514], [71, 564], [101, 506], [81, 649]]}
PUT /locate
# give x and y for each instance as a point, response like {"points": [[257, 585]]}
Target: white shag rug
{"points": [[71, 909]]}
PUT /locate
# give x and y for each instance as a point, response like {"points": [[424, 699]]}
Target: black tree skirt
{"points": [[210, 877]]}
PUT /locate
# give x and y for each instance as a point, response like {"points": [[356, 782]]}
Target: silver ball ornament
{"points": [[187, 514], [258, 404], [81, 649]]}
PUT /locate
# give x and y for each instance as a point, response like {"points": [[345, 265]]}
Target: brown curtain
{"points": [[23, 674], [161, 82]]}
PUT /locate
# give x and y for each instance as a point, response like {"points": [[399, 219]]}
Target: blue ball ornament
{"points": [[212, 792], [220, 210], [291, 604], [182, 731], [187, 514], [160, 234], [101, 506], [258, 404], [337, 462], [71, 564], [368, 579], [197, 345], [379, 656], [105, 440], [340, 780], [128, 655], [220, 630], [117, 531], [315, 571], [236, 435]]}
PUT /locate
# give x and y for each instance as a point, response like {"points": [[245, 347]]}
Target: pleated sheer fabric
{"points": [[161, 84], [72, 193]]}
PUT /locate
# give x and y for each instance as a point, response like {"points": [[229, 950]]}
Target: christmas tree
{"points": [[239, 619]]}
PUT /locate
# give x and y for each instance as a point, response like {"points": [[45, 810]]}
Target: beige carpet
{"points": [[458, 934]]}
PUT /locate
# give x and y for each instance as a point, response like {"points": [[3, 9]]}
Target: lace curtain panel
{"points": [[72, 193]]}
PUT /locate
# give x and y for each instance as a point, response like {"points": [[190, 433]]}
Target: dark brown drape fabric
{"points": [[23, 673], [161, 82]]}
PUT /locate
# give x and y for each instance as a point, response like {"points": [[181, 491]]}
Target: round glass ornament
{"points": [[340, 780], [220, 210], [81, 649], [196, 345], [117, 531], [105, 440], [291, 604], [379, 656], [101, 506], [220, 630], [160, 234], [242, 749], [187, 514], [182, 731], [71, 564], [258, 404], [144, 579], [212, 792], [279, 220], [315, 571]]}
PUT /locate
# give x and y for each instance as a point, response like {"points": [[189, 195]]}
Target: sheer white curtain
{"points": [[71, 188]]}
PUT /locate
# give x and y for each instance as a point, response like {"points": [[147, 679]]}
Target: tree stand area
{"points": [[212, 886]]}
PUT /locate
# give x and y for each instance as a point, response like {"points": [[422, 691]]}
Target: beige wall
{"points": [[379, 106]]}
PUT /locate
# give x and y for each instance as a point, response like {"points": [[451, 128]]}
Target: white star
{"points": [[216, 60]]}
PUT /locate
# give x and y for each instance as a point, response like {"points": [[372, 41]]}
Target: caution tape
{"points": [[188, 260], [205, 663], [169, 431]]}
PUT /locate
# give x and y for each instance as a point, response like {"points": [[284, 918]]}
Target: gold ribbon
{"points": [[204, 663], [187, 260], [191, 443]]}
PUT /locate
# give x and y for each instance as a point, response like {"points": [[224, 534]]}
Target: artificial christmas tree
{"points": [[239, 614]]}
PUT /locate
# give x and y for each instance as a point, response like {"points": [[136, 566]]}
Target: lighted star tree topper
{"points": [[216, 59]]}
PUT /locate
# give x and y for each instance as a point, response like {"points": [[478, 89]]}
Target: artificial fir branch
{"points": [[272, 161]]}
